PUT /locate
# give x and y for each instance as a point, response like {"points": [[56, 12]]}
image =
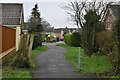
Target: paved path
{"points": [[52, 64]]}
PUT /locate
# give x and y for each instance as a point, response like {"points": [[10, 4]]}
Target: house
{"points": [[111, 15], [12, 18], [58, 32]]}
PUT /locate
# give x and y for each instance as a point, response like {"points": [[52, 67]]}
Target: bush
{"points": [[44, 37], [37, 41], [104, 41], [106, 45], [67, 38], [72, 39], [76, 39]]}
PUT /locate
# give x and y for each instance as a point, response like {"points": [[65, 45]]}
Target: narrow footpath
{"points": [[52, 64]]}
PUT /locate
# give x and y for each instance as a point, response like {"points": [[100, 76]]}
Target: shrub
{"points": [[51, 37], [106, 44], [67, 38], [72, 39], [44, 37], [37, 41], [76, 39], [104, 41]]}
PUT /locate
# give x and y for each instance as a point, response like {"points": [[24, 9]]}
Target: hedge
{"points": [[72, 39], [67, 39]]}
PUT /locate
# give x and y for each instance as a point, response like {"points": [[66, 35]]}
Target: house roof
{"points": [[12, 13], [65, 30], [116, 10], [60, 29]]}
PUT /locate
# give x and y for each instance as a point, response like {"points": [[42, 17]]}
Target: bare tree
{"points": [[77, 11], [45, 24]]}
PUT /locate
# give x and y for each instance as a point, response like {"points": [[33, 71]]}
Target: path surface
{"points": [[52, 64]]}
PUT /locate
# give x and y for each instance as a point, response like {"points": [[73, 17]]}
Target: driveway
{"points": [[52, 64]]}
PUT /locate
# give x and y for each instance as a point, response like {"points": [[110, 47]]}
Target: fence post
{"points": [[79, 57], [31, 39]]}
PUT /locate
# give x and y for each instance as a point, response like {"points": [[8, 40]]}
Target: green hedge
{"points": [[67, 39], [72, 39]]}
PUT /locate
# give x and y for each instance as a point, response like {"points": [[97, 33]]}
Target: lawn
{"points": [[95, 64], [10, 72]]}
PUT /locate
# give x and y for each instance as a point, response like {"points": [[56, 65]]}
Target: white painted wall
{"points": [[62, 34], [18, 32]]}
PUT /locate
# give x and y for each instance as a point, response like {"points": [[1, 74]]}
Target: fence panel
{"points": [[8, 38], [0, 39]]}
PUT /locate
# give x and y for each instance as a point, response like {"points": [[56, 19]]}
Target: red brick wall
{"points": [[109, 22]]}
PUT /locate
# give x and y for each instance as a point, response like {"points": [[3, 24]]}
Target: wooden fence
{"points": [[8, 38]]}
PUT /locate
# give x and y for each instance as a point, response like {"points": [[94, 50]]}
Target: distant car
{"points": [[61, 39]]}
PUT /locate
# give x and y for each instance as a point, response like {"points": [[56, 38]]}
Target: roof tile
{"points": [[11, 13]]}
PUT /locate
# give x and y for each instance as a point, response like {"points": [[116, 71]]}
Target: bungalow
{"points": [[58, 32], [111, 15], [11, 19]]}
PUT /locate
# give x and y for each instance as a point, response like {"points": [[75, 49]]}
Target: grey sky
{"points": [[50, 11]]}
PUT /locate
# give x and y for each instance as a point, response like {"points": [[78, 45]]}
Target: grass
{"points": [[35, 53], [95, 64], [10, 72]]}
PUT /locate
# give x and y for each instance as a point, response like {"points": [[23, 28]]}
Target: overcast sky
{"points": [[50, 10]]}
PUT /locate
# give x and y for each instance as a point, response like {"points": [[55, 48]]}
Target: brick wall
{"points": [[109, 22]]}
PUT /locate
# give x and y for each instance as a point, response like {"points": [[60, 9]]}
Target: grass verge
{"points": [[35, 53], [9, 72], [95, 64]]}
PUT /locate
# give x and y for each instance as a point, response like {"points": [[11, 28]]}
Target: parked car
{"points": [[61, 39]]}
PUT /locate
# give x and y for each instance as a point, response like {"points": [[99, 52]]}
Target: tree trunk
{"points": [[22, 59], [31, 44]]}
